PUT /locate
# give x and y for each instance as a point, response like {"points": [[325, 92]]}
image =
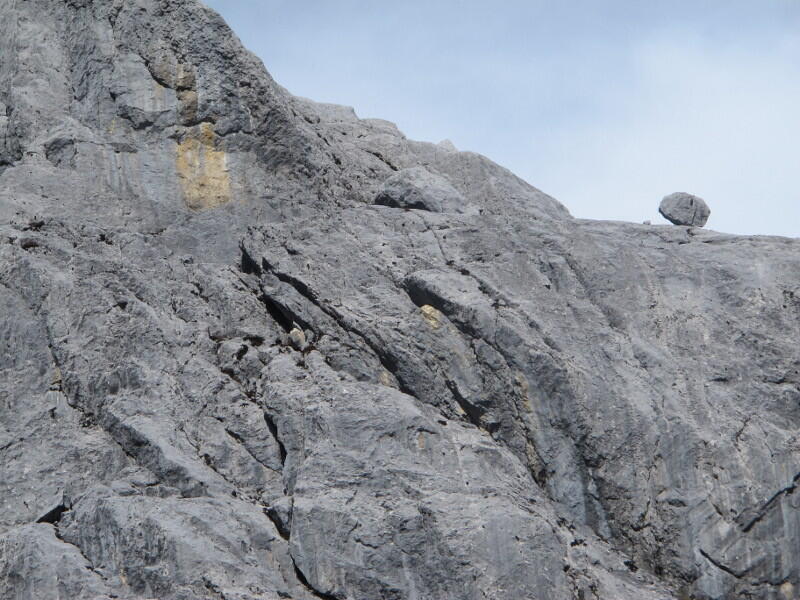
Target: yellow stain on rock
{"points": [[787, 591], [431, 315], [385, 378], [202, 170], [524, 389]]}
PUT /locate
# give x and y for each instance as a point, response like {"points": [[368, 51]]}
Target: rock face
{"points": [[225, 373], [418, 188], [681, 208]]}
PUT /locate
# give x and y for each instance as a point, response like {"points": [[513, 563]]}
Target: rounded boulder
{"points": [[681, 208]]}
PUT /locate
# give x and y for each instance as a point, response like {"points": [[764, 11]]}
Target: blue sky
{"points": [[606, 105]]}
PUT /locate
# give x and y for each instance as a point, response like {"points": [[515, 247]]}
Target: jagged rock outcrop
{"points": [[419, 188], [226, 373]]}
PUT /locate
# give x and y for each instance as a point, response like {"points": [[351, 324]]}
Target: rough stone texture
{"points": [[681, 208], [419, 188], [225, 373]]}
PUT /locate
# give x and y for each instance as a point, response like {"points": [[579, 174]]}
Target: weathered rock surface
{"points": [[418, 188], [681, 208], [225, 373]]}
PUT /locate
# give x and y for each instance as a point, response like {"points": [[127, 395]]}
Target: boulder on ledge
{"points": [[681, 208]]}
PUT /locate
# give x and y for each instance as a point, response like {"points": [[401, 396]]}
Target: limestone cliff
{"points": [[253, 347]]}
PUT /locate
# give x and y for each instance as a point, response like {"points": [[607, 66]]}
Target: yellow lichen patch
{"points": [[202, 170], [185, 79], [187, 108], [385, 378], [55, 382], [787, 591], [431, 315]]}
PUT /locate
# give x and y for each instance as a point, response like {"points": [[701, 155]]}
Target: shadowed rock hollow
{"points": [[234, 366]]}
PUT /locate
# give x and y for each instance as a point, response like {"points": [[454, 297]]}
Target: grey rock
{"points": [[225, 373], [281, 514], [36, 563], [297, 339], [681, 208], [53, 512], [27, 243], [416, 187]]}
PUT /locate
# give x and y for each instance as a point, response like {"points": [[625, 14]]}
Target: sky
{"points": [[606, 105]]}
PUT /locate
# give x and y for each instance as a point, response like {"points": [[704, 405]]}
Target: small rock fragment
{"points": [[297, 339], [280, 513], [431, 316], [681, 208], [27, 243]]}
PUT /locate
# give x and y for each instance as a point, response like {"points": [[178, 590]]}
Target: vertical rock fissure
{"points": [[273, 429], [387, 360], [304, 582]]}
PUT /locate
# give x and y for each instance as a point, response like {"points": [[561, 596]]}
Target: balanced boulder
{"points": [[419, 188], [681, 208]]}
